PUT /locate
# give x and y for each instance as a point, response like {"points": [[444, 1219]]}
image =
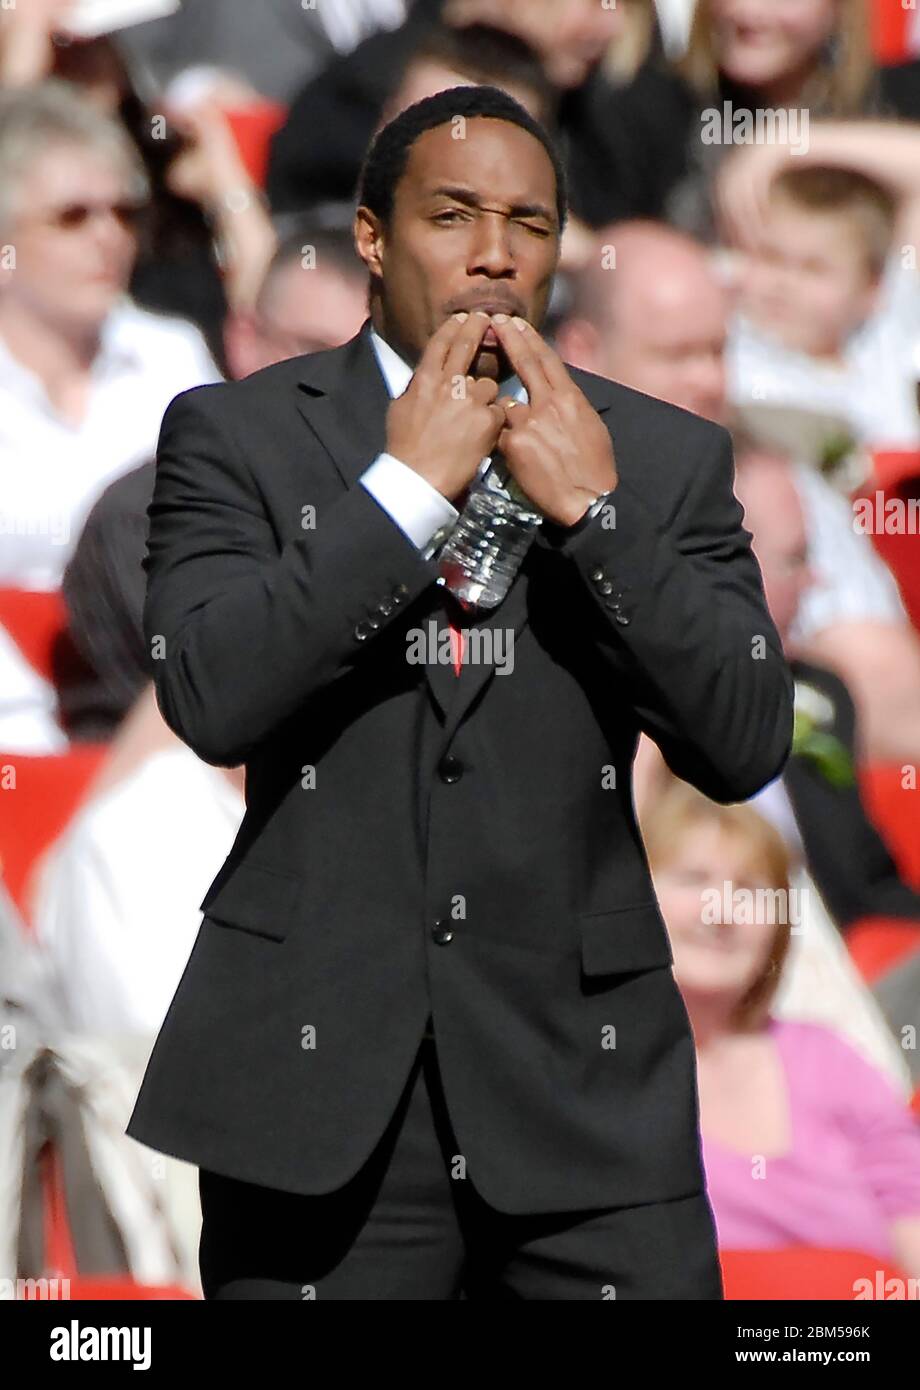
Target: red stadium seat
{"points": [[877, 944], [897, 477], [253, 127], [60, 1260], [800, 1272], [38, 796], [36, 622], [895, 811], [113, 1287], [894, 30]]}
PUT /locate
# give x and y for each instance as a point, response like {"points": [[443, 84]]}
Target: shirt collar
{"points": [[397, 373]]}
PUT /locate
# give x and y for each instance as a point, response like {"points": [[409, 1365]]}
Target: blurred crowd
{"points": [[176, 207]]}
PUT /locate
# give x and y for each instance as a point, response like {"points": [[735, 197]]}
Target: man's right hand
{"points": [[446, 422]]}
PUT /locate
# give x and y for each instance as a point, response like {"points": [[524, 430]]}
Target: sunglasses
{"points": [[72, 216]]}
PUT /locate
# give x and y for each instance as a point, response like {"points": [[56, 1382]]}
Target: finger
{"points": [[551, 363], [520, 352], [463, 347], [516, 413], [498, 418], [483, 389], [434, 355]]}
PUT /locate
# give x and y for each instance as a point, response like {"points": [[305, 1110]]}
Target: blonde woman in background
{"points": [[804, 1142]]}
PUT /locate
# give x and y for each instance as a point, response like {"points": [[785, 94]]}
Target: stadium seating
{"points": [[800, 1272]]}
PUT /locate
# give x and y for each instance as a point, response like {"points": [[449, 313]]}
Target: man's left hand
{"points": [[557, 447]]}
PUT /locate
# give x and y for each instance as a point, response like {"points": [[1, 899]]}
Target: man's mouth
{"points": [[490, 338]]}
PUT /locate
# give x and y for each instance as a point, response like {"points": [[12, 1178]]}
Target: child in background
{"points": [[828, 321]]}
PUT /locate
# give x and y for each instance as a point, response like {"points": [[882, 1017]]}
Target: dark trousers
{"points": [[409, 1226]]}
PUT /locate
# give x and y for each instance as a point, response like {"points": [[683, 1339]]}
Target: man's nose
{"points": [[491, 249]]}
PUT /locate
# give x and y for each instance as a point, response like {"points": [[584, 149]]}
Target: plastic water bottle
{"points": [[493, 533]]}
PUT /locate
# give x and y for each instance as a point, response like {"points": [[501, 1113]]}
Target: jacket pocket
{"points": [[254, 899], [624, 939]]}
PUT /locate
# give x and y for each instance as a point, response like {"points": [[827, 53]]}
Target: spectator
{"points": [[808, 334], [804, 1141], [572, 46], [275, 45], [649, 310], [661, 139], [816, 801], [205, 236], [314, 297], [85, 375], [449, 57], [316, 156], [115, 928]]}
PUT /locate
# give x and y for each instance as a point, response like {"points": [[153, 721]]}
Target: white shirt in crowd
{"points": [[116, 904], [51, 471], [853, 584]]}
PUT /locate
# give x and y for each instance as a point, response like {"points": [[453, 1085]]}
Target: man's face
{"points": [[668, 340], [75, 244], [774, 516], [474, 225], [300, 310]]}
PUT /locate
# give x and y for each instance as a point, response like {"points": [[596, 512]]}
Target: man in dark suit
{"points": [[428, 1039]]}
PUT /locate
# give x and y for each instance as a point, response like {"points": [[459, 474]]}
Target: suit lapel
{"points": [[343, 399]]}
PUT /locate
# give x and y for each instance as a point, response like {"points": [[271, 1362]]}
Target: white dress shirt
{"points": [[51, 470], [417, 508]]}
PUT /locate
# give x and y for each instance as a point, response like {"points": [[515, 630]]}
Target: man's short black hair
{"points": [[386, 160]]}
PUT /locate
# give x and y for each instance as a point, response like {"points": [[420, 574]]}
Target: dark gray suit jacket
{"points": [[458, 849]]}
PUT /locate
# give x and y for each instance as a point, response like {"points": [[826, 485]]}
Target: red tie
{"points": [[457, 640]]}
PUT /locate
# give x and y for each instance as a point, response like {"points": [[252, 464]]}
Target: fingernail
{"points": [[519, 323], [461, 317], [499, 318], [482, 313]]}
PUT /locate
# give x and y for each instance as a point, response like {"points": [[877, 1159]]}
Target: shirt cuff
{"points": [[417, 508]]}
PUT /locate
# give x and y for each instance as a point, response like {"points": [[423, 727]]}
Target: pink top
{"points": [[853, 1165]]}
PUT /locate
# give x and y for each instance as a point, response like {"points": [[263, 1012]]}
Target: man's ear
{"points": [[369, 239]]}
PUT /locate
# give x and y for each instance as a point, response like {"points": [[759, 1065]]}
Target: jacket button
{"points": [[597, 575], [450, 769], [621, 619], [363, 631], [605, 587], [441, 933]]}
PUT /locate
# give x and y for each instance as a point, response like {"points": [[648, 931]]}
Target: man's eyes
{"points": [[452, 213]]}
